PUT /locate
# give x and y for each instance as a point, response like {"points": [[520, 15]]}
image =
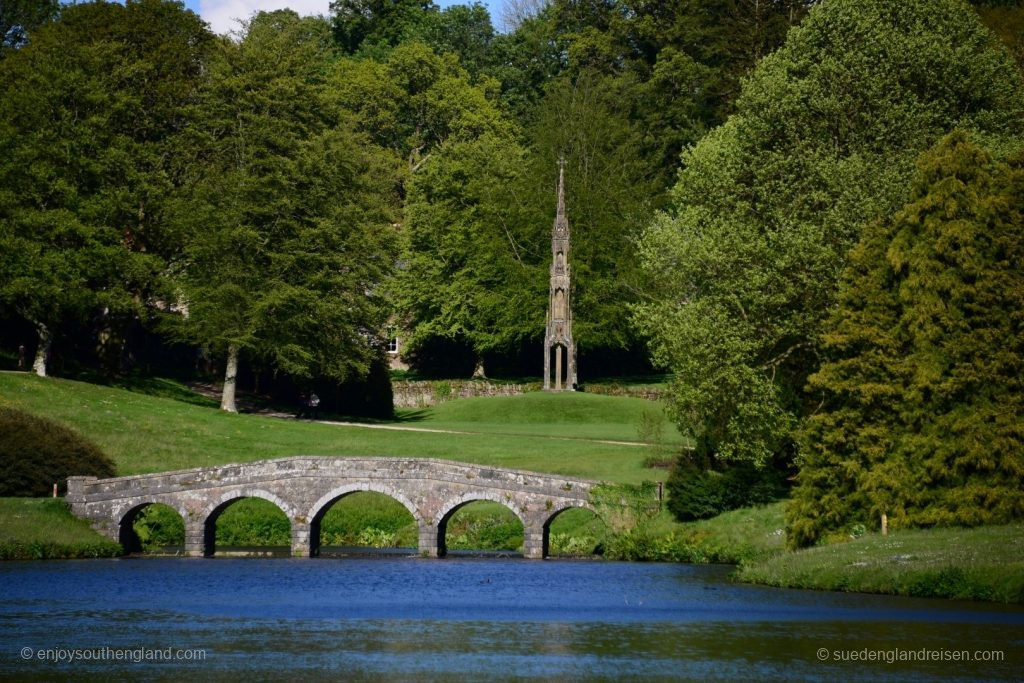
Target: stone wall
{"points": [[429, 393], [424, 394]]}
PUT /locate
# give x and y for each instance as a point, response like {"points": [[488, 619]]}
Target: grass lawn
{"points": [[144, 433], [566, 415], [985, 563], [37, 528]]}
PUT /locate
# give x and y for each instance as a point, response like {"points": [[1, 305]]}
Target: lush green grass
{"points": [[733, 537], [567, 415], [38, 528], [986, 563], [730, 538], [143, 433]]}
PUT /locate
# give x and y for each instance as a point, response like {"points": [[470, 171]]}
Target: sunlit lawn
{"points": [[144, 433]]}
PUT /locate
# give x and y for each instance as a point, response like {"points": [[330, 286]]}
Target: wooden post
{"points": [[885, 525], [55, 489]]}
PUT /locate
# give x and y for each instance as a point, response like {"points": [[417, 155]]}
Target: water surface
{"points": [[478, 619]]}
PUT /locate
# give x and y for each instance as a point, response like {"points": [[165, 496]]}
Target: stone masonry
{"points": [[305, 487]]}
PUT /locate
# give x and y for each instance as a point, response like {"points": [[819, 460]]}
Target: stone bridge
{"points": [[304, 488]]}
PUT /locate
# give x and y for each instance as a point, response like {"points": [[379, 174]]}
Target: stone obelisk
{"points": [[558, 340]]}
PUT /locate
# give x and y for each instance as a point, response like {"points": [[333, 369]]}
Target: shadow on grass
{"points": [[402, 415], [157, 386]]}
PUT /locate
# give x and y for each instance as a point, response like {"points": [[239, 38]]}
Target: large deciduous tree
{"points": [[90, 112], [824, 139], [922, 416], [287, 215]]}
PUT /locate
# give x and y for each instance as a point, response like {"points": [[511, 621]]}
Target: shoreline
{"points": [[983, 564]]}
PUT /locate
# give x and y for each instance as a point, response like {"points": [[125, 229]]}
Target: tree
{"points": [[472, 272], [922, 396], [89, 113], [462, 30], [287, 215], [826, 131], [1006, 19], [414, 101], [377, 22]]}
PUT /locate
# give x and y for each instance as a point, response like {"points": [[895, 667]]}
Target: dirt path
{"points": [[453, 431]]}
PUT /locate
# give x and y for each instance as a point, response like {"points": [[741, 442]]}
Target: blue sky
{"points": [[220, 14]]}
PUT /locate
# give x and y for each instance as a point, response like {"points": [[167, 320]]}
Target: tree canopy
{"points": [[746, 263], [90, 112]]}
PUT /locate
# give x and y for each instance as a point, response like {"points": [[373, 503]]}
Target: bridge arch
{"points": [[321, 506], [558, 510], [126, 535], [450, 507], [213, 511]]}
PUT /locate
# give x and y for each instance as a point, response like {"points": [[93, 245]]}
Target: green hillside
{"points": [[144, 433]]}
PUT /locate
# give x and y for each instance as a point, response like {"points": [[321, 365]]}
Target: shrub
{"points": [[700, 494], [36, 452]]}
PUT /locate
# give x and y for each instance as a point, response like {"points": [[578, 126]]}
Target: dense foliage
{"points": [[701, 494], [826, 131], [36, 453], [922, 413], [287, 230], [90, 112], [267, 207]]}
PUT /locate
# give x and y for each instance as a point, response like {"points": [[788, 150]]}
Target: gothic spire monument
{"points": [[558, 340]]}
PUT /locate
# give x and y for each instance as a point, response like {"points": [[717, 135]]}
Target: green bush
{"points": [[701, 494], [36, 452]]}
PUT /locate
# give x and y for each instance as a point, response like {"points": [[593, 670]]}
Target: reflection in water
{"points": [[401, 618]]}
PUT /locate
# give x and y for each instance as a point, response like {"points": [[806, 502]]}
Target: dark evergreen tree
{"points": [[922, 414]]}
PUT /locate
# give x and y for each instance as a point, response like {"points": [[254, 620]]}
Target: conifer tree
{"points": [[923, 400]]}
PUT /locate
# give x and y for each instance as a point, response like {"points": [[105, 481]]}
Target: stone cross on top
{"points": [[558, 340]]}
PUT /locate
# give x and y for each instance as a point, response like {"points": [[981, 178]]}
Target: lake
{"points": [[407, 618]]}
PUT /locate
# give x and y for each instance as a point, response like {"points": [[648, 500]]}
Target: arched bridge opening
{"points": [[573, 531], [255, 524], [362, 519], [152, 528], [481, 524]]}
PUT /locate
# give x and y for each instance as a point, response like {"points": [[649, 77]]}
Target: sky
{"points": [[221, 14]]}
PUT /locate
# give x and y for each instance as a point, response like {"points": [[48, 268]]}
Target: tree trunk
{"points": [[227, 398], [43, 350]]}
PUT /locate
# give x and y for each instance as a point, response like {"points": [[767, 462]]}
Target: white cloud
{"points": [[223, 15]]}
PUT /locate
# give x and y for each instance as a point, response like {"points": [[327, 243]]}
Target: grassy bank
{"points": [[42, 528], [144, 433], [986, 563]]}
